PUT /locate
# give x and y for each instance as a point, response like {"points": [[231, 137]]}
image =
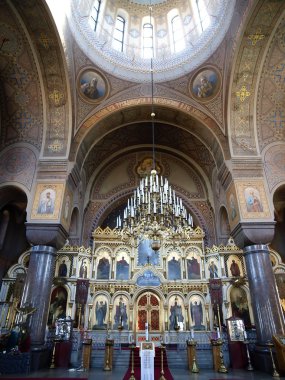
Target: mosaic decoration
{"points": [[10, 42], [18, 164], [271, 98], [274, 159], [251, 56], [47, 201]]}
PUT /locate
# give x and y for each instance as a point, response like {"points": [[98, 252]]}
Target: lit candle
{"points": [[192, 334], [218, 333], [245, 334]]}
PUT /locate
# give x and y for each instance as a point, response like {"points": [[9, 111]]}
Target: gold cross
{"points": [[45, 40], [56, 146], [243, 93], [257, 36], [56, 96]]}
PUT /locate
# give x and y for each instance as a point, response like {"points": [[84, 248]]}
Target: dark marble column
{"points": [[268, 315], [37, 289]]}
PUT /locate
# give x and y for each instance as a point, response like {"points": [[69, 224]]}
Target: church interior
{"points": [[142, 184]]}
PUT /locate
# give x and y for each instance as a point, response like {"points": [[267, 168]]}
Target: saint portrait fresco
{"points": [[92, 85], [63, 267], [213, 269], [121, 313], [239, 305], [122, 269], [193, 268], [253, 201], [174, 269], [101, 307], [234, 266], [197, 313], [83, 270], [205, 84], [46, 204], [103, 269], [57, 305], [176, 317]]}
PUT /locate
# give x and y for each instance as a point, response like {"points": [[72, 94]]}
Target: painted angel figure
{"points": [[101, 310], [197, 315]]}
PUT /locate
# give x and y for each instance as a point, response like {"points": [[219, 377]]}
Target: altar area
{"points": [[112, 289]]}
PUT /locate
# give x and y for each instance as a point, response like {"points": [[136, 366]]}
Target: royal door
{"points": [[148, 310]]}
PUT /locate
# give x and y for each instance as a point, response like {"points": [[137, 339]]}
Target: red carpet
{"points": [[157, 365]]}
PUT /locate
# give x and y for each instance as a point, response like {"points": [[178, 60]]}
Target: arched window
{"points": [[95, 14], [119, 34], [177, 34], [201, 15], [148, 40]]}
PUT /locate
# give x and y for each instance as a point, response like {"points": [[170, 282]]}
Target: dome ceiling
{"points": [[198, 34]]}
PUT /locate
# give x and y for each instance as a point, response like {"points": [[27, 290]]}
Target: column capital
{"points": [[45, 234], [252, 233]]}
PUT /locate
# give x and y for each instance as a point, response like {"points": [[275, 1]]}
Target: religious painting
{"points": [[103, 268], [146, 255], [239, 305], [193, 267], [47, 202], [176, 311], [234, 267], [232, 206], [174, 269], [66, 208], [63, 267], [101, 313], [197, 313], [253, 199], [84, 268], [92, 85], [145, 167], [148, 279], [122, 268], [213, 268], [120, 316], [280, 282], [58, 303], [205, 84]]}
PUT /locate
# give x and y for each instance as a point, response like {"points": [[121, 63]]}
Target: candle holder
{"points": [[221, 366], [192, 344], [275, 373], [55, 342], [132, 364], [249, 365], [162, 347]]}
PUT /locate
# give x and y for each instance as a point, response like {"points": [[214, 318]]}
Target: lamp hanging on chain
{"points": [[154, 211]]}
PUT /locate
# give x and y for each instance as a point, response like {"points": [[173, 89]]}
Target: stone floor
{"points": [[178, 374]]}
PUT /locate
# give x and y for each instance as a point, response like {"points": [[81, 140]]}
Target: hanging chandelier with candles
{"points": [[154, 211]]}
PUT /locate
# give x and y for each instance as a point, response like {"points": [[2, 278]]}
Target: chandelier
{"points": [[154, 211]]}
